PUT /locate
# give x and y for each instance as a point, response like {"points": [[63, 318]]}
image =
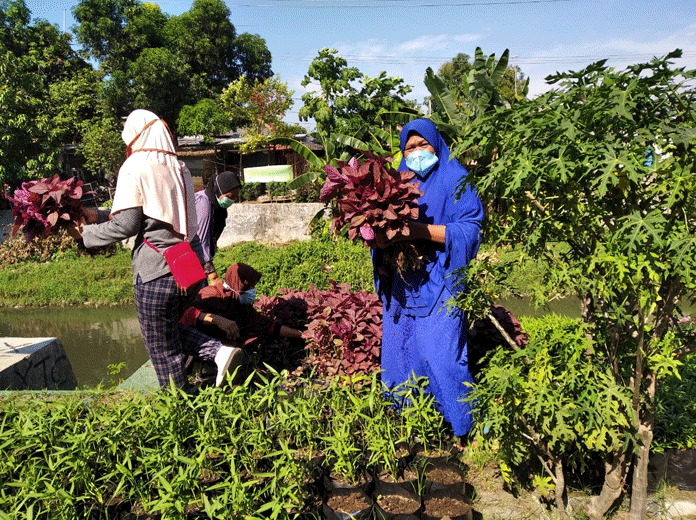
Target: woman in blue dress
{"points": [[420, 336]]}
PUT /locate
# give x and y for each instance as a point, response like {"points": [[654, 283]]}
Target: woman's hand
{"points": [[229, 327], [214, 279], [89, 216], [75, 229]]}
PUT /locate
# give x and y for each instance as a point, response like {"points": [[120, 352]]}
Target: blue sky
{"points": [[404, 37]]}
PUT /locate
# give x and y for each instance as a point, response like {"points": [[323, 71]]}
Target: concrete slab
{"points": [[35, 364], [143, 380], [272, 223]]}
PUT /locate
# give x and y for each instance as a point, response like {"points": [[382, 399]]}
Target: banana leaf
{"points": [[443, 98], [301, 149]]}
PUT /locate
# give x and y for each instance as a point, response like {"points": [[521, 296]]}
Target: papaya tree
{"points": [[598, 174]]}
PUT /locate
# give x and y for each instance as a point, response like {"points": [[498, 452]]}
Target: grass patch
{"points": [[61, 277], [68, 279], [64, 278]]}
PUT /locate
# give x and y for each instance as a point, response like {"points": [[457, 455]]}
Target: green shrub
{"points": [[675, 409], [308, 193], [277, 189], [552, 400], [252, 190], [243, 453]]}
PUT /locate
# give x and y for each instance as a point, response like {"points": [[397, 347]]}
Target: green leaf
{"points": [[301, 149], [443, 97]]}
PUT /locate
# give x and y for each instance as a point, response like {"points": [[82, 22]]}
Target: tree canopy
{"points": [[258, 107], [598, 177], [161, 62], [346, 100], [460, 73], [35, 59], [52, 96]]}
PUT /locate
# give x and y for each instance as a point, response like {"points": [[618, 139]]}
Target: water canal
{"points": [[95, 338]]}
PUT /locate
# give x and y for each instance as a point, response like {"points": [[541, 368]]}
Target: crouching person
{"points": [[226, 312]]}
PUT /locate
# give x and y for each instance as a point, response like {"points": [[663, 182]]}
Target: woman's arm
{"points": [[289, 332], [418, 231], [123, 224], [426, 231], [229, 327]]}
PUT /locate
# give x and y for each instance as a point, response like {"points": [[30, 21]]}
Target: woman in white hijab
{"points": [[154, 202]]}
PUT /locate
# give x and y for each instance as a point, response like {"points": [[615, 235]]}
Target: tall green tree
{"points": [[460, 73], [115, 32], [73, 101], [346, 101], [33, 59], [332, 77], [253, 59], [206, 118], [599, 177], [199, 53], [258, 107], [205, 37]]}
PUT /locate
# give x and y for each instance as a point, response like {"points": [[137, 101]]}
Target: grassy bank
{"points": [[62, 277]]}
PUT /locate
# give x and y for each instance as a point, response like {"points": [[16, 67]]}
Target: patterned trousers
{"points": [[160, 305]]}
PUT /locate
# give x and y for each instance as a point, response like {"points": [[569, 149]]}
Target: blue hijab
{"points": [[419, 291]]}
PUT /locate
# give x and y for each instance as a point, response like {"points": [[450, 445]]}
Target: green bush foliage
{"points": [[553, 399], [252, 190], [277, 189], [675, 409]]}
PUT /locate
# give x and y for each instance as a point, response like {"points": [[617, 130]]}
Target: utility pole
{"points": [[514, 70], [63, 21]]}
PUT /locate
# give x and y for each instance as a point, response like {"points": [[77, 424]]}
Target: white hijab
{"points": [[152, 177]]}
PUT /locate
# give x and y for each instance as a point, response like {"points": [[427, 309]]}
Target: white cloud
{"points": [[426, 42], [467, 38]]}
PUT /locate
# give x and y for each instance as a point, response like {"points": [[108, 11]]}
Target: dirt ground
{"points": [[492, 499]]}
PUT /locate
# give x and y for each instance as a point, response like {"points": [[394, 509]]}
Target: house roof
{"points": [[196, 141]]}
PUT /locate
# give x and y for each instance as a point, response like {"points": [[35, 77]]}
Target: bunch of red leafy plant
{"points": [[372, 198], [343, 329], [43, 207]]}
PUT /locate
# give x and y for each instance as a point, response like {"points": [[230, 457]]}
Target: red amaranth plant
{"points": [[371, 198], [43, 207], [343, 329]]}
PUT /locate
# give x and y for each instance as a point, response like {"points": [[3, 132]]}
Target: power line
{"points": [[374, 4], [381, 59]]}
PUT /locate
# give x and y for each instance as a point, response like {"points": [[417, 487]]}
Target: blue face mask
{"points": [[225, 202], [247, 297], [421, 162]]}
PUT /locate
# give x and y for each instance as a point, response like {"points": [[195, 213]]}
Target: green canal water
{"points": [[95, 338]]}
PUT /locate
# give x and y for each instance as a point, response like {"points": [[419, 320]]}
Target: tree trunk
{"points": [[615, 472], [560, 489], [639, 487]]}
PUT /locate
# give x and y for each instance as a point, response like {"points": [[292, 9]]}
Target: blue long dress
{"points": [[419, 335]]}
